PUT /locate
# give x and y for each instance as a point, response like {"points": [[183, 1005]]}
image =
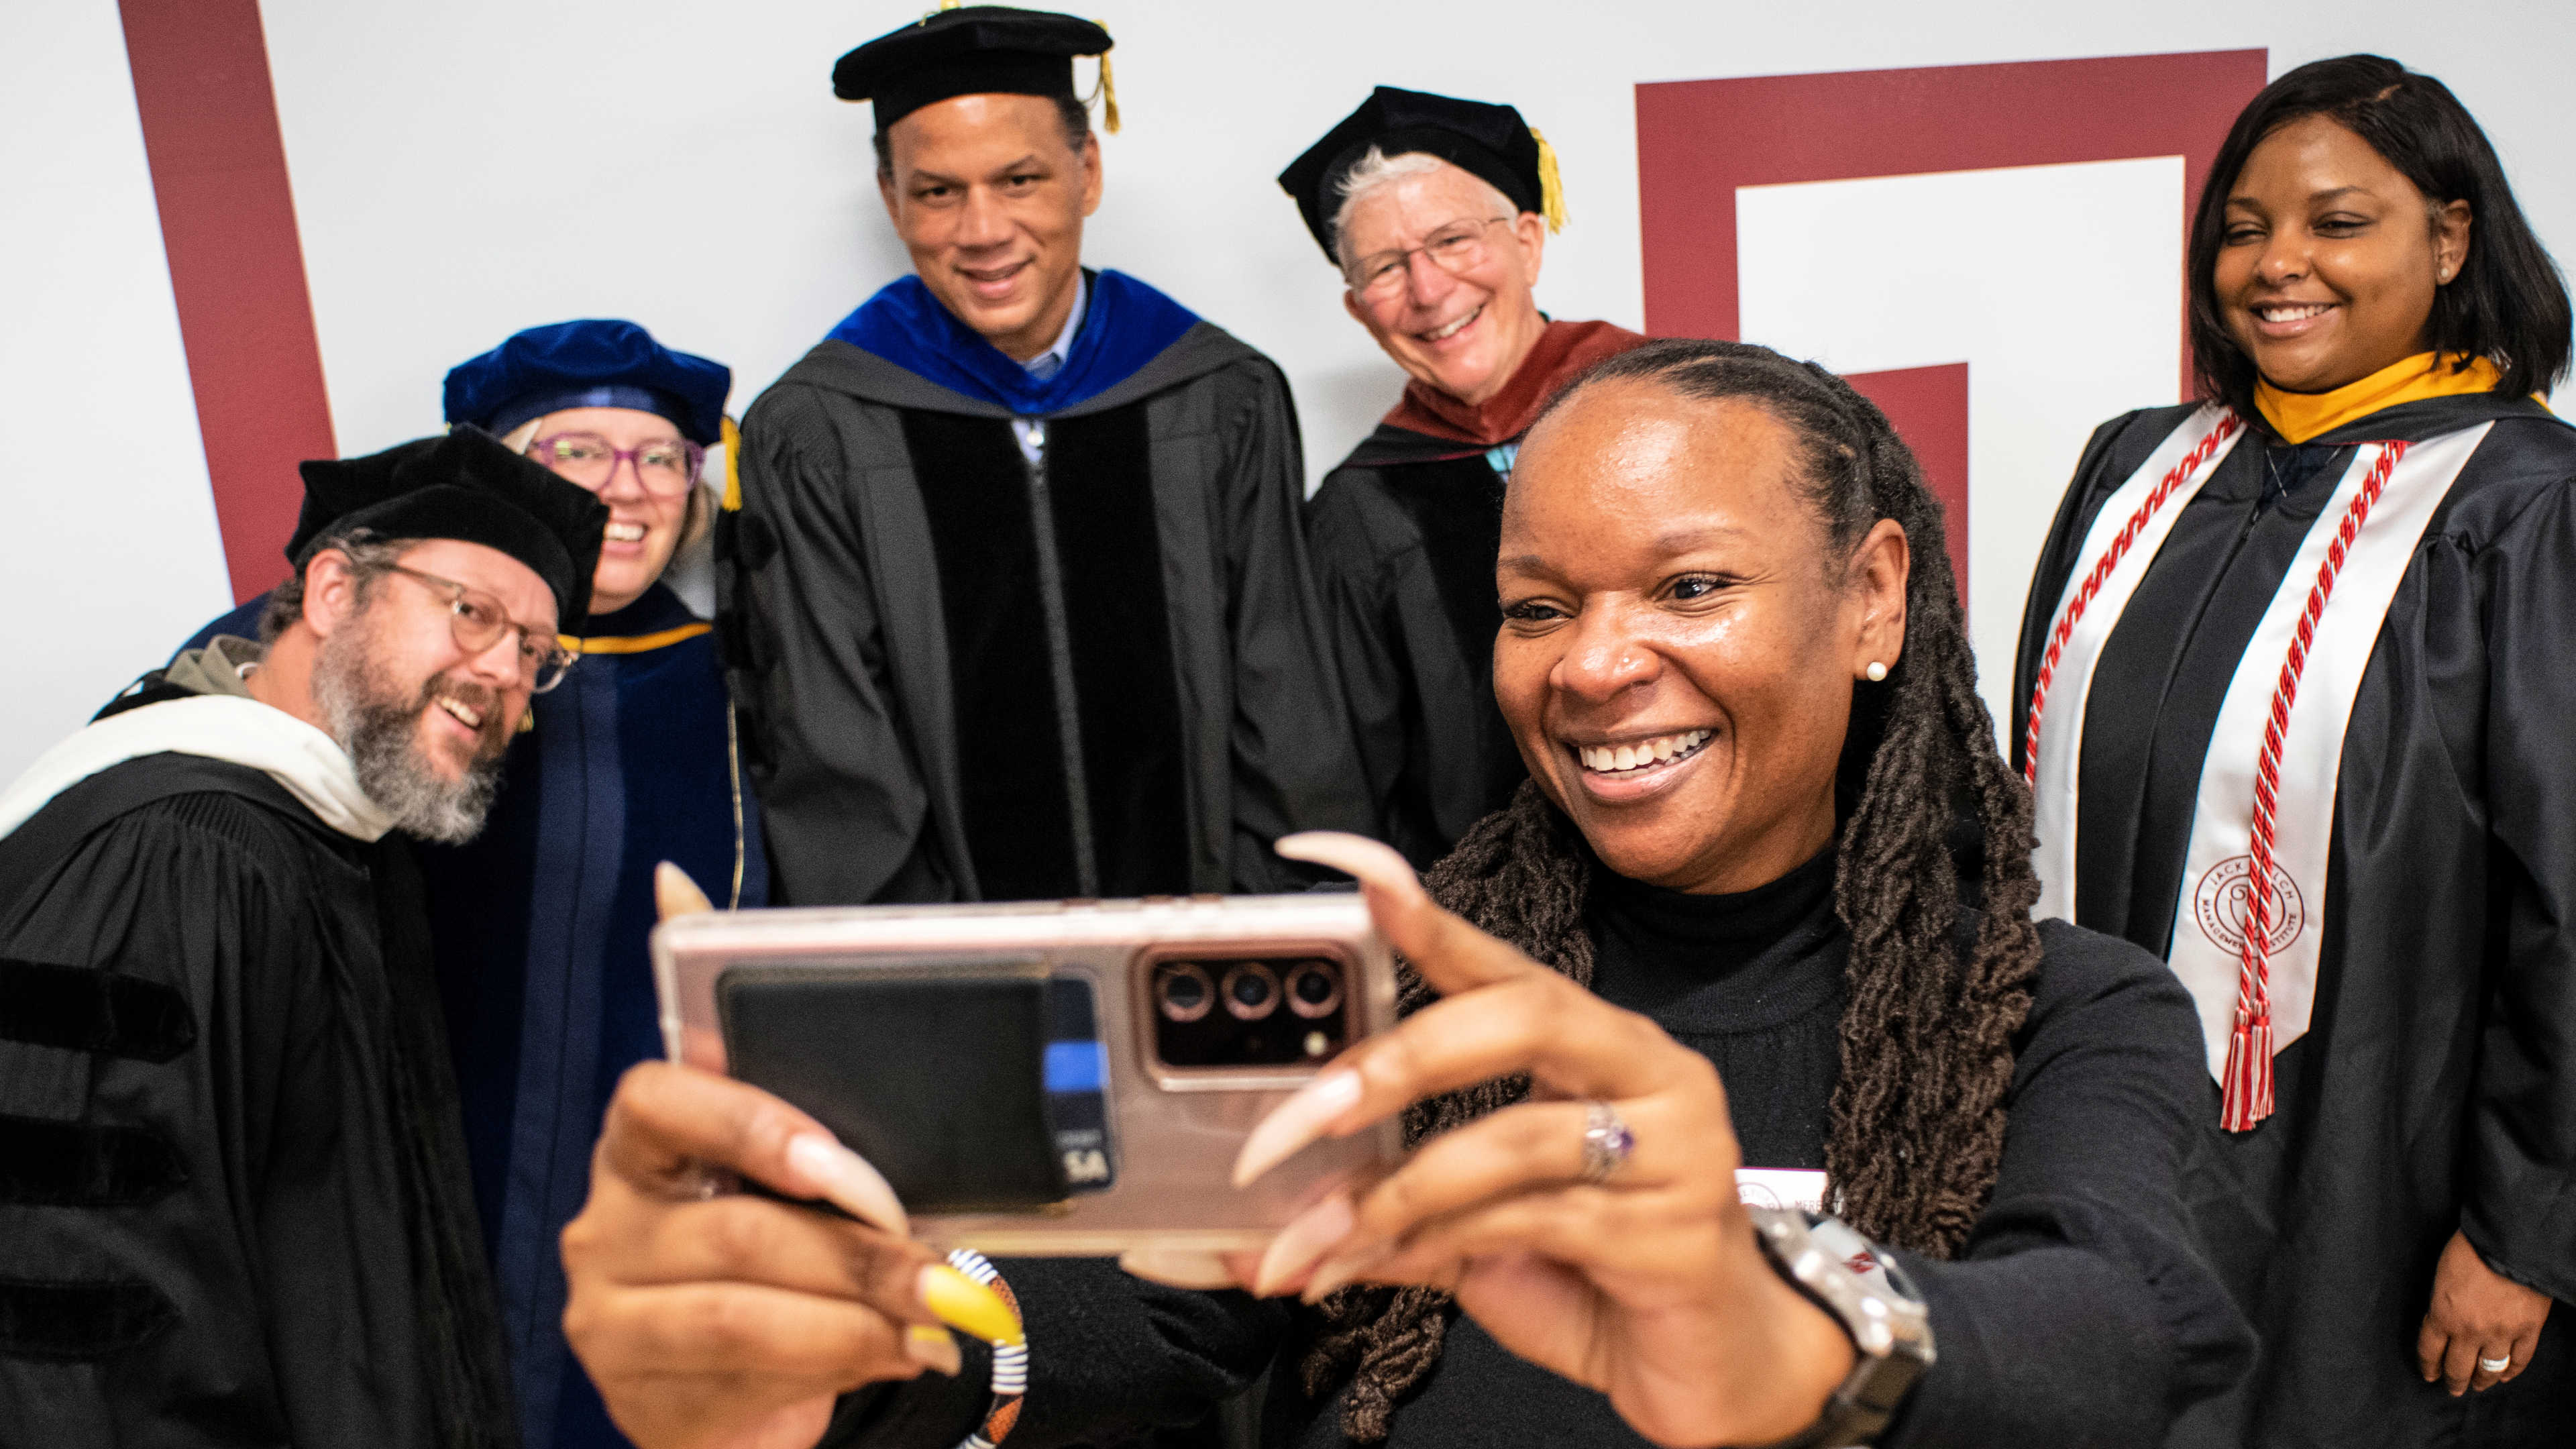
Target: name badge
{"points": [[1781, 1187]]}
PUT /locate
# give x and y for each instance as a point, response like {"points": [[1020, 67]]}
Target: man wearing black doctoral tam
{"points": [[234, 1202], [1013, 592], [1437, 212]]}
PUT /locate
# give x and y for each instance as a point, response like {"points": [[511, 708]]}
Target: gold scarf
{"points": [[2299, 416]]}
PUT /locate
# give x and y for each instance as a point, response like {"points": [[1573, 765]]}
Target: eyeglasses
{"points": [[1457, 249], [665, 466], [477, 621]]}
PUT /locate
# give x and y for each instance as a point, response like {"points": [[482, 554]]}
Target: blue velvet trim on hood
{"points": [[1126, 325]]}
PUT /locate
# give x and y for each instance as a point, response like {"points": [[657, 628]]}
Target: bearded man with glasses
{"points": [[1437, 212], [234, 1198]]}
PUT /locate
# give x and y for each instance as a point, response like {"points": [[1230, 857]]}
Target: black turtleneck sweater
{"points": [[1747, 982], [2081, 1314]]}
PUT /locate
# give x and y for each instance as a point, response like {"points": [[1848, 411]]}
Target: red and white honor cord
{"points": [[1010, 1357], [2246, 1085], [2101, 571]]}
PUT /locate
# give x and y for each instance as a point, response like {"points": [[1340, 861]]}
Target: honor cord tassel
{"points": [[2246, 1094]]}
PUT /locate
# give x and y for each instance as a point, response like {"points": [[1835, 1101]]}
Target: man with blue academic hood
{"points": [[1014, 599]]}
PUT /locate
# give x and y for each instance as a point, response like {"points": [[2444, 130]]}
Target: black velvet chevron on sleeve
{"points": [[84, 1010], [76, 1321]]}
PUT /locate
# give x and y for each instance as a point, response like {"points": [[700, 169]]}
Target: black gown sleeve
{"points": [[2084, 1311], [1110, 1357], [172, 1189], [844, 807], [1294, 766], [2519, 1172]]}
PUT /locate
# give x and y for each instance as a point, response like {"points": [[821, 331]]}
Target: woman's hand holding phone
{"points": [[716, 1318], [1643, 1281], [709, 1317]]}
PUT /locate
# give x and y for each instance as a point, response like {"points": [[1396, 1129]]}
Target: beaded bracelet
{"points": [[1010, 1356]]}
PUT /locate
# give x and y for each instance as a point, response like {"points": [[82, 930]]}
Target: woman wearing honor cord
{"points": [[2294, 698]]}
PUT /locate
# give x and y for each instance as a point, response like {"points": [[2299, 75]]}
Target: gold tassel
{"points": [[1106, 92], [1551, 189], [733, 467]]}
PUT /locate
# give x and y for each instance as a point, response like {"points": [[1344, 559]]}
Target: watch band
{"points": [[1852, 1280]]}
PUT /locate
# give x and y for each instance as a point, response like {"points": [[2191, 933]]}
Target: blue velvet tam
{"points": [[594, 363]]}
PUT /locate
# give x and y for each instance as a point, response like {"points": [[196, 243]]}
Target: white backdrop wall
{"points": [[464, 169]]}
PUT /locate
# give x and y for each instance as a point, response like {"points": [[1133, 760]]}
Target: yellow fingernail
{"points": [[933, 1348], [968, 1306]]}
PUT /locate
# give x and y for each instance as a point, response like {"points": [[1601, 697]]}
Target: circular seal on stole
{"points": [[2225, 893]]}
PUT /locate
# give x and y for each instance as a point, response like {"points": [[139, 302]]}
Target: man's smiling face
{"points": [[989, 197], [1465, 332], [425, 722]]}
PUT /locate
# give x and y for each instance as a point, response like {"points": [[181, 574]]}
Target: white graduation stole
{"points": [[2263, 821]]}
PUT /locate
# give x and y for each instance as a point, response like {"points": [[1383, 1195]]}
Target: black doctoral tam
{"points": [[970, 51], [463, 485]]}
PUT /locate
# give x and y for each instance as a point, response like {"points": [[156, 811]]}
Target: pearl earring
{"points": [[1876, 671]]}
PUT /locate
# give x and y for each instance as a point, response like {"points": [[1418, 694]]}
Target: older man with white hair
{"points": [[1437, 211]]}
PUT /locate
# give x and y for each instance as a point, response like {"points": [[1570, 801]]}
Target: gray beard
{"points": [[380, 730]]}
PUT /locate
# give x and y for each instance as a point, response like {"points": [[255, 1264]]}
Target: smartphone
{"points": [[1044, 1078]]}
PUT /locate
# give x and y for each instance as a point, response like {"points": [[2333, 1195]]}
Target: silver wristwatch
{"points": [[1851, 1279]]}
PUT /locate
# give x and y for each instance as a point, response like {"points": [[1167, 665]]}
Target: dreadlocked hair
{"points": [[1939, 978]]}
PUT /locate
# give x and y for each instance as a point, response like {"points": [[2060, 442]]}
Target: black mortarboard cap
{"points": [[462, 485], [971, 50], [1490, 141]]}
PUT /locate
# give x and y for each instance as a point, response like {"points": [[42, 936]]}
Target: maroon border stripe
{"points": [[1697, 141], [1928, 407], [228, 224]]}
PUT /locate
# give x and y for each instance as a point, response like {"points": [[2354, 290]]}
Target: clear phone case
{"points": [[1203, 1014]]}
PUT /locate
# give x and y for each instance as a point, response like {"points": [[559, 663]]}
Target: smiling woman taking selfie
{"points": [[2294, 696], [1763, 903]]}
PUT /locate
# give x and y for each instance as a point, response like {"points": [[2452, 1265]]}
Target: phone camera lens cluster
{"points": [[1183, 991], [1252, 1031]]}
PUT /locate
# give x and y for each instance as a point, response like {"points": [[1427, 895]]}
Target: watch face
{"points": [[1854, 1252]]}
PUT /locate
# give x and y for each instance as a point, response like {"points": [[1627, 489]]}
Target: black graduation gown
{"points": [[234, 1206], [2435, 1089], [946, 659], [1403, 535], [539, 928]]}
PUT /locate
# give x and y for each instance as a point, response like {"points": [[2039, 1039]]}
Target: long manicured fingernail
{"points": [[967, 1306], [1303, 1243], [1177, 1267], [1294, 1123], [932, 1347], [846, 1180], [1353, 855], [677, 895], [1342, 1269]]}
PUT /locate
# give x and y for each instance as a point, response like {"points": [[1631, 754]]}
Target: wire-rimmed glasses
{"points": [[1457, 248], [477, 621]]}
